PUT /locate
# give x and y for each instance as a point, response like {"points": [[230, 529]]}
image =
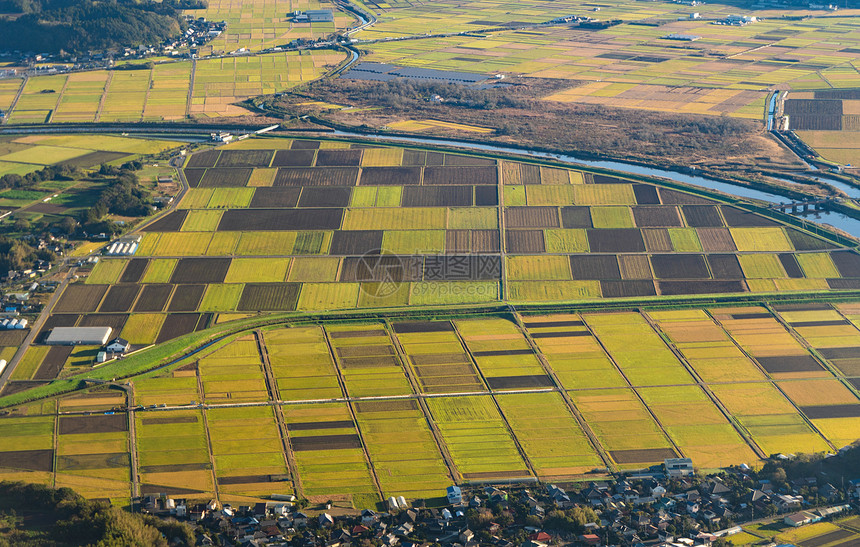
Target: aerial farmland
{"points": [[420, 246]]}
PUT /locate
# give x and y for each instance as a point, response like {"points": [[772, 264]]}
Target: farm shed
{"points": [[78, 336]]}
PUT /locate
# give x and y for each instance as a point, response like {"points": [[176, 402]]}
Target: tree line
{"points": [[78, 26]]}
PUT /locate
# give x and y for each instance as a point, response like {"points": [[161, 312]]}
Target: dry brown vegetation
{"points": [[728, 145]]}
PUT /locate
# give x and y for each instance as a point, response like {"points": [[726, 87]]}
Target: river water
{"points": [[833, 218]]}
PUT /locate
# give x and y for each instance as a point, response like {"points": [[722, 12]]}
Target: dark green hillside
{"points": [[83, 25]]}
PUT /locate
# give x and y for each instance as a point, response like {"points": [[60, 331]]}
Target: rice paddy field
{"points": [[256, 24], [386, 404], [168, 91], [366, 410], [725, 71]]}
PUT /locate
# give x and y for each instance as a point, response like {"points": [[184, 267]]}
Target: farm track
{"points": [[208, 439], [17, 96], [633, 389], [704, 386], [771, 381], [821, 360], [101, 106], [425, 410], [583, 423], [498, 407], [272, 387], [132, 440], [358, 432]]}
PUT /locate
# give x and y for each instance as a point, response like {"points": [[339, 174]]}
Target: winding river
{"points": [[833, 218]]}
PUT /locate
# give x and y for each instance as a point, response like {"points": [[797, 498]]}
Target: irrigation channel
{"points": [[833, 218]]}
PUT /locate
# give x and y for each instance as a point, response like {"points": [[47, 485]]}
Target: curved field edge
{"points": [[745, 203], [181, 351]]}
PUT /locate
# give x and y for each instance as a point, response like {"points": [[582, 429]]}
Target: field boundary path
{"points": [[342, 385], [190, 88], [772, 382], [98, 115], [60, 96], [704, 387], [425, 410], [843, 379], [132, 438], [272, 387], [496, 404], [548, 370], [17, 96], [633, 388], [205, 419]]}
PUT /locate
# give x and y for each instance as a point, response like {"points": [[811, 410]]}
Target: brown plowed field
{"points": [[333, 176], [526, 381], [789, 363], [73, 425], [171, 222], [53, 362], [269, 297], [576, 217], [186, 297], [200, 270], [446, 176], [116, 321], [245, 158], [437, 196], [275, 197], [622, 289], [176, 325], [737, 218], [646, 194], [119, 298], [294, 158], [653, 217], [153, 297], [524, 241], [338, 158], [356, 242], [225, 178], [305, 145], [679, 266], [325, 442], [134, 270], [702, 216], [643, 455], [725, 267], [657, 240], [80, 298], [616, 240], [250, 220], [203, 159], [30, 460], [531, 217], [193, 176], [716, 239], [390, 176], [325, 197], [832, 411], [594, 267]]}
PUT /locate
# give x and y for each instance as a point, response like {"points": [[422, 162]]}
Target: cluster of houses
{"points": [[653, 509]]}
